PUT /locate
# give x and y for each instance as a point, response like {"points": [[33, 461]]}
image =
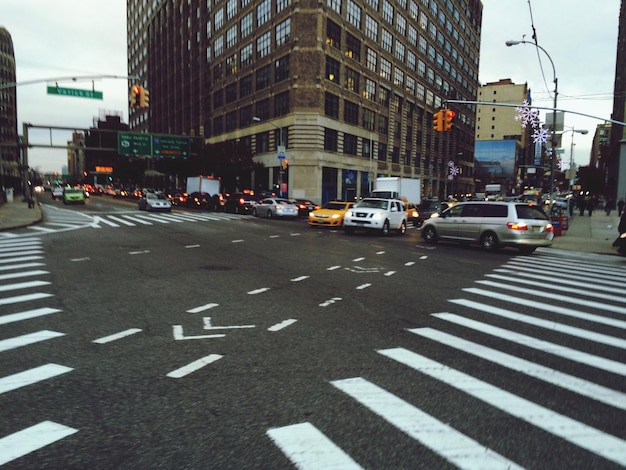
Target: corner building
{"points": [[348, 88]]}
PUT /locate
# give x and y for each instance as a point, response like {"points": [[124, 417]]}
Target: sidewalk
{"points": [[586, 234]]}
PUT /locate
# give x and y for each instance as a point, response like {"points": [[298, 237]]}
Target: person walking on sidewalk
{"points": [[620, 206], [608, 207], [591, 205], [581, 205]]}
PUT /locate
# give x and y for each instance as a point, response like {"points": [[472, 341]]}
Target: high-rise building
{"points": [[9, 138], [345, 90]]}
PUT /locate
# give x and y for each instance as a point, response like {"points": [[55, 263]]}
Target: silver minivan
{"points": [[491, 224]]}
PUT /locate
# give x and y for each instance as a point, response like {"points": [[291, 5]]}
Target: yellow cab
{"points": [[330, 214]]}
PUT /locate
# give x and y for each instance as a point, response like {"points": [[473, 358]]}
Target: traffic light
{"points": [[144, 98], [135, 96], [438, 121], [448, 115]]}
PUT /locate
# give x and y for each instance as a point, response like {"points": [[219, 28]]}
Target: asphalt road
{"points": [[194, 340]]}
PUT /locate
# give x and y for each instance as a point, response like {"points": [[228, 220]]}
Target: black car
{"points": [[304, 206], [199, 201], [427, 208], [240, 203]]}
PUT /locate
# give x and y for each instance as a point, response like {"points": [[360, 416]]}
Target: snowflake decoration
{"points": [[527, 115], [540, 135], [454, 170]]}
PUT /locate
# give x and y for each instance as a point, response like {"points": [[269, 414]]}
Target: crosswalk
{"points": [[22, 268], [56, 219], [536, 309]]}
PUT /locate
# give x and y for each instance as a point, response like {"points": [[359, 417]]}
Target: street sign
{"points": [[134, 144], [170, 146], [76, 92], [281, 152]]}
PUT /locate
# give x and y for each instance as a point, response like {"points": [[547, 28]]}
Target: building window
{"points": [[400, 24], [412, 36], [246, 25], [218, 125], [352, 80], [398, 77], [231, 93], [385, 69], [333, 34], [245, 116], [354, 14], [383, 125], [366, 148], [283, 30], [371, 28], [262, 110], [368, 119], [231, 65], [349, 144], [263, 44], [331, 105], [263, 78], [400, 51], [231, 121], [263, 12], [370, 90], [262, 141], [281, 104], [384, 97], [246, 55], [245, 86], [218, 99], [218, 46], [371, 60], [332, 69], [410, 85], [395, 155], [335, 5], [231, 9], [231, 36], [382, 152], [387, 12], [387, 40], [218, 19], [373, 4], [282, 4], [218, 73], [353, 47], [351, 112], [411, 60], [330, 139], [282, 69]]}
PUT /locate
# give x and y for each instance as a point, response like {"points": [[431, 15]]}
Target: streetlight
{"points": [[571, 152], [281, 152], [556, 83]]}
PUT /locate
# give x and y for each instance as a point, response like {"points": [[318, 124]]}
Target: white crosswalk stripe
{"points": [[577, 300]]}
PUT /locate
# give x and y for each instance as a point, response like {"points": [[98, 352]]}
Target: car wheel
{"points": [[429, 234], [402, 229], [385, 230], [489, 241], [269, 214]]}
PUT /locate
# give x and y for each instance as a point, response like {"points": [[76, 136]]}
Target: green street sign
{"points": [[134, 144], [170, 146], [76, 92]]}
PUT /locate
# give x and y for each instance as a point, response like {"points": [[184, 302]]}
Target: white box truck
{"points": [[493, 192], [409, 189], [203, 184]]}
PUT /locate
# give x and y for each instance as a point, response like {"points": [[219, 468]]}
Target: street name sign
{"points": [[76, 92]]}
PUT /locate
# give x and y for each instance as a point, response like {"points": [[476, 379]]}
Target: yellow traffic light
{"points": [[144, 98], [135, 96], [448, 115], [438, 121]]}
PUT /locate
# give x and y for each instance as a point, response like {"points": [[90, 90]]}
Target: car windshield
{"points": [[335, 206], [155, 196], [374, 204], [282, 201], [527, 212], [73, 191]]}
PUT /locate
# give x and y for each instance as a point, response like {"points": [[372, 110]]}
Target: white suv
{"points": [[376, 214]]}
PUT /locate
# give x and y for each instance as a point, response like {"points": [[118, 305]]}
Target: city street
{"points": [[210, 340]]}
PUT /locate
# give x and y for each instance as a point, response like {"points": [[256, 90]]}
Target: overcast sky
{"points": [[88, 37]]}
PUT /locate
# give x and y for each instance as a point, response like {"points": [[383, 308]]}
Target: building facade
{"points": [[9, 138], [344, 90]]}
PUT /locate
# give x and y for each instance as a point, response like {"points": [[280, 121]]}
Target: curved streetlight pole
{"points": [[556, 87], [573, 130]]}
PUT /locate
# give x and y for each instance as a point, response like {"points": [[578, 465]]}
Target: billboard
{"points": [[495, 159]]}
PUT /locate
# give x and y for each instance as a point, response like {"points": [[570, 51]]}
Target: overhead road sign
{"points": [[76, 92], [170, 146], [134, 144], [152, 145]]}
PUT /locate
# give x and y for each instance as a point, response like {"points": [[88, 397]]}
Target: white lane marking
{"points": [[282, 324], [441, 438], [389, 273], [21, 266], [332, 268], [330, 301], [202, 308], [30, 439], [31, 376], [192, 246], [30, 338], [274, 236], [309, 449], [19, 248], [141, 252], [23, 285], [380, 252], [13, 317], [21, 259], [23, 298], [363, 286], [423, 257], [295, 234], [560, 379], [137, 219], [409, 263], [36, 272], [358, 259], [570, 354], [177, 330], [194, 366], [122, 221], [258, 291], [298, 279], [577, 433], [97, 219], [209, 326], [116, 336], [80, 259], [237, 241]]}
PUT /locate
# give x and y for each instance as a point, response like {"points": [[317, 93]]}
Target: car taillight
{"points": [[549, 228], [517, 226], [242, 201]]}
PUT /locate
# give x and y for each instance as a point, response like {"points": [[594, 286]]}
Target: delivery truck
{"points": [[407, 189], [203, 184]]}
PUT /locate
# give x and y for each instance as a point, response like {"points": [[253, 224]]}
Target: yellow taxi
{"points": [[412, 213], [330, 214]]}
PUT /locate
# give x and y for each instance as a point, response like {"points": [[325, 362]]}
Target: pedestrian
{"points": [[620, 242], [620, 206], [591, 205], [581, 205], [608, 207]]}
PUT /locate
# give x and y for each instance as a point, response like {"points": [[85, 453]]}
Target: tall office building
{"points": [[9, 138], [345, 90]]}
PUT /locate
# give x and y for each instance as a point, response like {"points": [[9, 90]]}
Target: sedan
{"points": [[57, 192], [330, 214], [275, 207], [73, 196], [305, 207], [154, 202]]}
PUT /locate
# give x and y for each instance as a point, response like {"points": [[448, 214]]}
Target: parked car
{"points": [[241, 203], [304, 206], [154, 202], [382, 215], [330, 214], [427, 208], [73, 196], [492, 225], [275, 207]]}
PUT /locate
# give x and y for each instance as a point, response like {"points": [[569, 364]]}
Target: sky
{"points": [[88, 38]]}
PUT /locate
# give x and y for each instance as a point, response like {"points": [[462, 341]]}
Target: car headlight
{"points": [[349, 214], [335, 216], [377, 215]]}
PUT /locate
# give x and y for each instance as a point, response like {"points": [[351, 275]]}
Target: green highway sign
{"points": [[170, 146], [77, 92], [134, 144]]}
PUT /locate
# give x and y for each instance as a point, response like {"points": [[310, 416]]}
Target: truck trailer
{"points": [[408, 189], [203, 184]]}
